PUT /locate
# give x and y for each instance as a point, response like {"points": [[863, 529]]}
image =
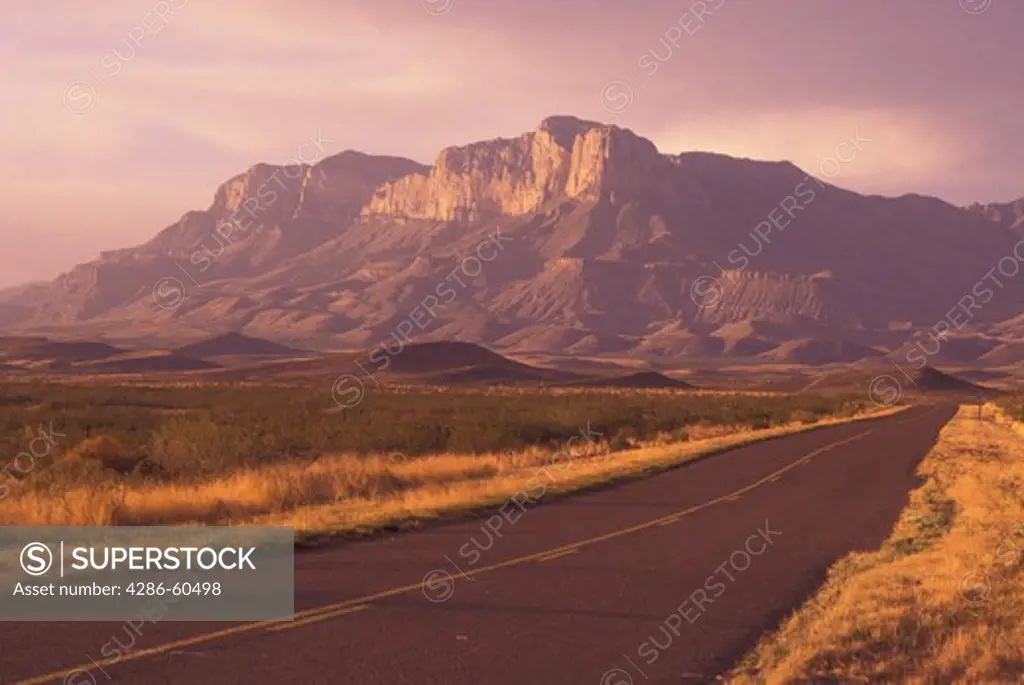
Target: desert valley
{"points": [[578, 242], [666, 384]]}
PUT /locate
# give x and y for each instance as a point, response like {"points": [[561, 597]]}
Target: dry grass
{"points": [[943, 600], [106, 451], [339, 494]]}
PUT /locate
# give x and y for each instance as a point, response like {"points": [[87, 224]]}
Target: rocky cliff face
{"points": [[1008, 214], [256, 220], [329, 194], [576, 236], [565, 158]]}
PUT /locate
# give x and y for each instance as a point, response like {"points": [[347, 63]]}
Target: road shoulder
{"points": [[941, 600]]}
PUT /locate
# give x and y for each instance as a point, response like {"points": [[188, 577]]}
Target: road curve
{"points": [[668, 579]]}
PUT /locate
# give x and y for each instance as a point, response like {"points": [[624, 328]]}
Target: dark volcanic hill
{"points": [[234, 344], [644, 379], [146, 363], [577, 238], [60, 351], [417, 363], [930, 379], [455, 362]]}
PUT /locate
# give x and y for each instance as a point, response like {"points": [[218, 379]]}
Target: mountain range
{"points": [[575, 238]]}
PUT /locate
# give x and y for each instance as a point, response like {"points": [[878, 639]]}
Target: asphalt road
{"points": [[668, 579]]}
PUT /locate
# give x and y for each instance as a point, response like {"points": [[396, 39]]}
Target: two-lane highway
{"points": [[668, 579]]}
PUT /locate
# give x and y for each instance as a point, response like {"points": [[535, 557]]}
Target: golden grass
{"points": [[341, 494], [943, 600], [106, 451]]}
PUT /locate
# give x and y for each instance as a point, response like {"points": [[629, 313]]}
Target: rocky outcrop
{"points": [[330, 194], [1008, 214], [564, 158], [577, 236]]}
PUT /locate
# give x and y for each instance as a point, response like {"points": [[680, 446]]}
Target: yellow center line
{"points": [[559, 555], [246, 627], [923, 414], [320, 617]]}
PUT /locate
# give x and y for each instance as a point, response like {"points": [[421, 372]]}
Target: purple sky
{"points": [[120, 115]]}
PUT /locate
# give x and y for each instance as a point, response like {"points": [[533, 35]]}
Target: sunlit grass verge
{"points": [[343, 494], [942, 601]]}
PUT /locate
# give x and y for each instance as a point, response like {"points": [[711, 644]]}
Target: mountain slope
{"points": [[577, 237]]}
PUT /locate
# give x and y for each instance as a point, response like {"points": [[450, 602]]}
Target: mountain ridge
{"points": [[601, 243]]}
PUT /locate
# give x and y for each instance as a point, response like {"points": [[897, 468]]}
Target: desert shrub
{"points": [[804, 416], [848, 407], [760, 420], [680, 435], [65, 474], [199, 430], [620, 441], [1014, 406], [105, 451], [202, 446]]}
